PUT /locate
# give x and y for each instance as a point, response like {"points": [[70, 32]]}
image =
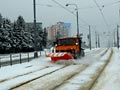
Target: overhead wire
{"points": [[69, 11], [112, 3], [101, 13], [48, 5], [60, 7], [102, 6], [97, 6]]}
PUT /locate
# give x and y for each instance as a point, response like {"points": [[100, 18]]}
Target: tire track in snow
{"points": [[92, 52], [7, 79], [52, 80], [86, 79], [27, 74], [109, 79], [12, 83]]}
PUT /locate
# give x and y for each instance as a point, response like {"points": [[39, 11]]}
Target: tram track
{"points": [[43, 75]]}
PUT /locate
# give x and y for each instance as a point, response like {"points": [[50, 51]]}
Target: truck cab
{"points": [[71, 45]]}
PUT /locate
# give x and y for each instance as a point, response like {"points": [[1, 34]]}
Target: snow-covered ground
{"points": [[41, 70], [110, 78], [6, 57], [85, 79]]}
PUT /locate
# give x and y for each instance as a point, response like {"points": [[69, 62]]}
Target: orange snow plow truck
{"points": [[67, 49]]}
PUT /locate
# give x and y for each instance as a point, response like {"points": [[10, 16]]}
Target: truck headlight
{"points": [[55, 44], [76, 43]]}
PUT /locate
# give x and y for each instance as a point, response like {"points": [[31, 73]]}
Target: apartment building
{"points": [[59, 30]]}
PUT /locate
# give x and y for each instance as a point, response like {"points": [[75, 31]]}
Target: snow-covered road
{"points": [[110, 78], [41, 74]]}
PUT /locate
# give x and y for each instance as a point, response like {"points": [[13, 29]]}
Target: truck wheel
{"points": [[77, 55], [82, 53]]}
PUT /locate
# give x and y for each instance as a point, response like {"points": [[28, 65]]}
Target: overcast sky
{"points": [[88, 12]]}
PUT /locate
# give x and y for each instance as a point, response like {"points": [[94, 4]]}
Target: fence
{"points": [[14, 58]]}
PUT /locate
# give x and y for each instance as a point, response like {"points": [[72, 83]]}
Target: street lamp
{"points": [[76, 17], [89, 37], [35, 30]]}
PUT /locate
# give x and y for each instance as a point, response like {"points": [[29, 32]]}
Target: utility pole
{"points": [[96, 39], [77, 22], [118, 36], [77, 17], [118, 29], [114, 40], [89, 37], [35, 29]]}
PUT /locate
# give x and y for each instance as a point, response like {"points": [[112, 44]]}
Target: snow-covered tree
{"points": [[6, 23], [5, 35], [41, 39], [4, 41], [1, 20], [14, 25], [20, 23], [23, 40], [14, 37], [44, 38]]}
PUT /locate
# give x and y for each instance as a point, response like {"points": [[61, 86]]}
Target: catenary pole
{"points": [[118, 36], [89, 37], [98, 40], [35, 29], [77, 17]]}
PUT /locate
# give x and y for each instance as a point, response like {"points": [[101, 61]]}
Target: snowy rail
{"points": [[54, 76]]}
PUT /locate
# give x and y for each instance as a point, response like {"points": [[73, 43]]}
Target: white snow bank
{"points": [[6, 57]]}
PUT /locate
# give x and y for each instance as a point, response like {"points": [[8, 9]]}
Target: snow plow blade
{"points": [[59, 56]]}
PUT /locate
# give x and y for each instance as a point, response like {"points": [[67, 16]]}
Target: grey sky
{"points": [[50, 15]]}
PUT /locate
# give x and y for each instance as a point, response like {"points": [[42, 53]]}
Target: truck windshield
{"points": [[68, 41]]}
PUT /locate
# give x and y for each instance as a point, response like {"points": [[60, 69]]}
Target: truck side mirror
{"points": [[54, 43]]}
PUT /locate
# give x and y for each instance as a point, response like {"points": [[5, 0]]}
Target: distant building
{"points": [[30, 26], [68, 28], [59, 30], [52, 32]]}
